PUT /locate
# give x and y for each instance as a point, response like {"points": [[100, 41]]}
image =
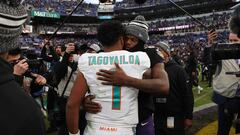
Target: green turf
{"points": [[204, 97]]}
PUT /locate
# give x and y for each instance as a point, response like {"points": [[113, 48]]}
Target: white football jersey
{"points": [[119, 104]]}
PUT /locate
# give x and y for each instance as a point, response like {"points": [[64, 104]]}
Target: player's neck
{"points": [[113, 48]]}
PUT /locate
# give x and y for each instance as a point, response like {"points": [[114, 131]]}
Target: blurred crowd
{"points": [[178, 25], [62, 7], [131, 4]]}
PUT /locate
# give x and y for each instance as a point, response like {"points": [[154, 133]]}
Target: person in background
{"points": [[20, 68], [19, 113], [173, 113], [65, 70], [192, 69], [176, 58], [53, 55], [226, 88]]}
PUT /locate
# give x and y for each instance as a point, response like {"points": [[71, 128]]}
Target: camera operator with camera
{"points": [[226, 90], [21, 68]]}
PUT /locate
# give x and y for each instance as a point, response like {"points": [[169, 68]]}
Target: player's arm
{"points": [[73, 105], [157, 83]]}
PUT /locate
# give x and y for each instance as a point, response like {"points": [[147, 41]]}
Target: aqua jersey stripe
{"points": [[116, 103]]}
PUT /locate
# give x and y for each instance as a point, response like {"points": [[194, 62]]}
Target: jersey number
{"points": [[116, 98]]}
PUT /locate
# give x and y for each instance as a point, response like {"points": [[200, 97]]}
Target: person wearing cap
{"points": [[94, 48], [20, 115], [176, 58], [174, 112], [135, 39]]}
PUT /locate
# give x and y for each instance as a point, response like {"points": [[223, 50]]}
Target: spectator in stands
{"points": [[225, 87], [19, 113], [173, 113]]}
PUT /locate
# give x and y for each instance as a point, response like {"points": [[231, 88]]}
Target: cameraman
{"points": [[226, 87], [20, 67]]}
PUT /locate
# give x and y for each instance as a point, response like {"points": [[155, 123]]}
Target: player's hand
{"points": [[110, 77], [20, 68], [90, 106], [188, 123], [212, 36]]}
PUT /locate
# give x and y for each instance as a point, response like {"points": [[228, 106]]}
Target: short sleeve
{"points": [[145, 61], [154, 55], [83, 63]]}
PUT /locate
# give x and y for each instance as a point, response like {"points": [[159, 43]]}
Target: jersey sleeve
{"points": [[154, 55], [145, 62], [83, 63]]}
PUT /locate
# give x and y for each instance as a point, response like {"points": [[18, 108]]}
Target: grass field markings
{"points": [[202, 96]]}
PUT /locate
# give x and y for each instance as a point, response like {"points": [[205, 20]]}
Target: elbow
{"points": [[163, 88]]}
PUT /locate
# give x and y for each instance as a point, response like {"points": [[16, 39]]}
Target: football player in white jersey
{"points": [[119, 115]]}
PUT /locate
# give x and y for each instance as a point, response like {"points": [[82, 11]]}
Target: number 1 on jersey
{"points": [[116, 98]]}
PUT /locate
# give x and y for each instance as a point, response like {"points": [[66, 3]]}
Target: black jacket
{"points": [[180, 101], [19, 113], [45, 57], [61, 68], [145, 100], [191, 64]]}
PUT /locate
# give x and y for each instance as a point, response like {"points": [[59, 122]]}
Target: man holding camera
{"points": [[20, 67], [19, 112], [226, 87]]}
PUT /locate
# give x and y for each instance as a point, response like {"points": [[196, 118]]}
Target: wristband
{"points": [[78, 133]]}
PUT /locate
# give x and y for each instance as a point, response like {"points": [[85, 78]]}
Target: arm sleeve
{"points": [[55, 56], [206, 55], [145, 62], [208, 60], [186, 92], [61, 68], [155, 57], [19, 79], [44, 55]]}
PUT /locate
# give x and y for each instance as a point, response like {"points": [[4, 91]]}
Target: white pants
{"points": [[101, 129]]}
